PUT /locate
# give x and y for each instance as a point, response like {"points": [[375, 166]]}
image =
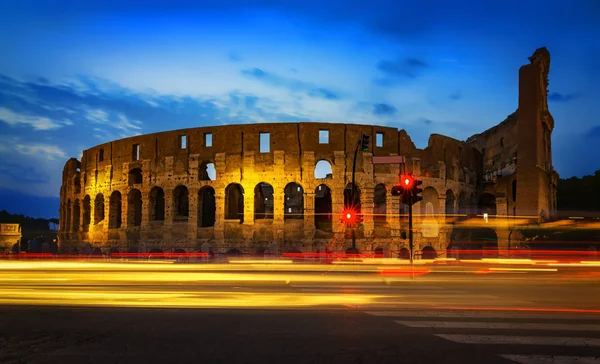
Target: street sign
{"points": [[388, 159]]}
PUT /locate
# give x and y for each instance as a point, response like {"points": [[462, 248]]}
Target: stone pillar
{"points": [[125, 210], [278, 214], [393, 216], [309, 217], [441, 214], [416, 167], [442, 170], [192, 224], [366, 203], [501, 223], [219, 216], [455, 172], [146, 210]]}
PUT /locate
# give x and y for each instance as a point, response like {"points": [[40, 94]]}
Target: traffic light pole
{"points": [[410, 232], [352, 194]]}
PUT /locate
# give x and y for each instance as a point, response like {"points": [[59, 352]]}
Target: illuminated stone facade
{"points": [[156, 191], [10, 234]]}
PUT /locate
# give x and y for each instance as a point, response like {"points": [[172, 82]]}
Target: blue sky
{"points": [[75, 74]]}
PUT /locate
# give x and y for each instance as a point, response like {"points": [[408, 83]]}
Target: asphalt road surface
{"points": [[156, 313], [344, 335]]}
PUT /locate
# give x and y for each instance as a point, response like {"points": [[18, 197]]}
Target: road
{"points": [[67, 312]]}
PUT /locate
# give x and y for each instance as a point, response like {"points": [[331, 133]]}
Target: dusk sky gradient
{"points": [[75, 74]]}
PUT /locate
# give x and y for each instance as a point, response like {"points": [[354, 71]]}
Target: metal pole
{"points": [[352, 193], [410, 231]]}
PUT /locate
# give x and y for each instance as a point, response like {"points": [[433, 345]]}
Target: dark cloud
{"points": [[291, 84], [427, 121], [20, 173], [399, 70], [383, 109], [455, 96], [34, 206], [558, 97], [594, 132]]}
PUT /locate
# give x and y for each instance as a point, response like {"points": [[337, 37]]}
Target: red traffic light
{"points": [[407, 182], [348, 216]]}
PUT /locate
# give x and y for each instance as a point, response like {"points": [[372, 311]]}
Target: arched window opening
{"points": [[86, 213], [114, 216], [293, 203], [134, 208], [181, 202], [462, 205], [487, 204], [323, 208], [207, 207], [449, 202], [234, 202], [323, 169], [514, 190], [428, 253], [379, 204], [76, 215], [348, 201], [135, 176], [207, 172], [157, 204], [69, 209], [263, 201], [77, 183], [98, 208]]}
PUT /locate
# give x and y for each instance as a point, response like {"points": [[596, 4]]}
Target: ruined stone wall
{"points": [[105, 205], [10, 234]]}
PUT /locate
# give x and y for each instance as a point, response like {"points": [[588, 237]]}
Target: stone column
{"points": [[146, 210], [192, 224], [442, 170], [502, 228], [169, 215], [366, 203], [309, 217], [441, 214], [219, 216], [125, 220], [278, 214]]}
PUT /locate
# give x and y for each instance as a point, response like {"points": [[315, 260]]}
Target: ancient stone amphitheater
{"points": [[272, 188]]}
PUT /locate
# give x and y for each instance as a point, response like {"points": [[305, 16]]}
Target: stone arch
{"points": [[134, 208], [179, 251], [348, 202], [293, 201], [486, 240], [404, 254], [114, 212], [98, 208], [77, 183], [323, 208], [379, 204], [207, 207], [207, 171], [234, 202], [428, 253], [486, 204], [157, 204], [76, 214], [156, 251], [181, 202], [86, 213], [135, 176], [450, 202], [263, 201], [235, 252], [463, 205], [323, 169], [429, 224]]}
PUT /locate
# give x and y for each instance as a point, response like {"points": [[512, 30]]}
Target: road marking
{"points": [[520, 340], [549, 359], [499, 325], [508, 313]]}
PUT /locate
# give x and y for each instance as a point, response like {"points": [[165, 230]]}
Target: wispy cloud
{"points": [[292, 84], [383, 109], [48, 151], [34, 121], [558, 97], [396, 71]]}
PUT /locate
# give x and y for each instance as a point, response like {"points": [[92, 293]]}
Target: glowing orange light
{"points": [[407, 181], [348, 215]]}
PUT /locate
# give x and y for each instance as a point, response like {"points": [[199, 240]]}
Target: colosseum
{"points": [[280, 187]]}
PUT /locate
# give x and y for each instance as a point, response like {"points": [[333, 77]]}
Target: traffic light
{"points": [[397, 190], [416, 191], [364, 142], [349, 216]]}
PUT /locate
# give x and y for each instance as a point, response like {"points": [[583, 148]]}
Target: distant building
{"points": [[155, 192], [10, 234]]}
